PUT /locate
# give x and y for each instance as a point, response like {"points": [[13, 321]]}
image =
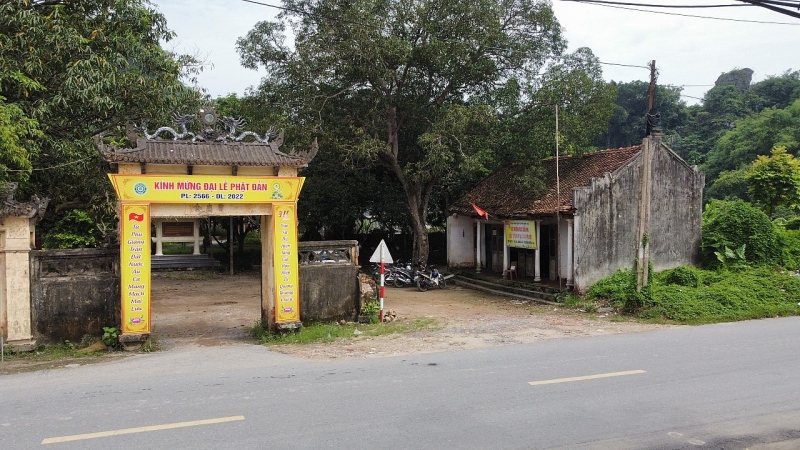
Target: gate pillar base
{"points": [[289, 325], [133, 338], [22, 345]]}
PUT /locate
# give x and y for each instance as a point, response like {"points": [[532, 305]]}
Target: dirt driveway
{"points": [[197, 308]]}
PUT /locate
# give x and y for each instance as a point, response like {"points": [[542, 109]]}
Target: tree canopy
{"points": [[755, 135], [71, 69], [419, 87], [775, 181]]}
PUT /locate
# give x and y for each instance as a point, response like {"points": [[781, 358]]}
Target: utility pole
{"points": [[643, 246], [651, 96]]}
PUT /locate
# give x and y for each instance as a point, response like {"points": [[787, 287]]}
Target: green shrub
{"points": [[682, 276], [620, 291], [793, 224], [75, 230], [733, 224], [790, 248], [726, 296], [694, 296]]}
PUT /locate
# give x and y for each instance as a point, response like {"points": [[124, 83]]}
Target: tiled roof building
{"points": [[588, 222]]}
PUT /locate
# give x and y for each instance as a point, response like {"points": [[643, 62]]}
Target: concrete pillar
{"points": [[478, 245], [506, 250], [15, 283], [267, 273], [196, 227], [570, 253], [537, 266], [159, 237]]}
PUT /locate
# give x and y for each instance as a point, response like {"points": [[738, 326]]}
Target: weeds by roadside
{"points": [[328, 332], [689, 295]]}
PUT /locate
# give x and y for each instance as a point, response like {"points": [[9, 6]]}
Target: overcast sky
{"points": [[688, 51]]}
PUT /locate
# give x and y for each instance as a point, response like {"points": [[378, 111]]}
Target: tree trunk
{"points": [[418, 192]]}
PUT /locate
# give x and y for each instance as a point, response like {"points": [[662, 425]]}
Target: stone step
{"points": [[515, 291]]}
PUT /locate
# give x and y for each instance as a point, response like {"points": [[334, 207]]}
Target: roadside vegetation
{"points": [[748, 272], [329, 332]]}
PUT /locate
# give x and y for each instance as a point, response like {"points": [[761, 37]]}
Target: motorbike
{"points": [[428, 279], [403, 275]]}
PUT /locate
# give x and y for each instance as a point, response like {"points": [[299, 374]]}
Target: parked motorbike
{"points": [[404, 275], [428, 279]]}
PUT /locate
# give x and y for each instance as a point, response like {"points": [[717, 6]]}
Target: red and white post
{"points": [[380, 316]]}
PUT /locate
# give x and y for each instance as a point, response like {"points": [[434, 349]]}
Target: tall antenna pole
{"points": [[558, 211]]}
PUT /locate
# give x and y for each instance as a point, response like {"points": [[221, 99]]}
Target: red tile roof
{"points": [[502, 197]]}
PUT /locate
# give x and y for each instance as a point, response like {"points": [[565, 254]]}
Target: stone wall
{"points": [[607, 228], [77, 292], [329, 284], [74, 293], [676, 211]]}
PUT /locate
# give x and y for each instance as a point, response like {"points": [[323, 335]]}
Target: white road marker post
{"points": [[382, 256], [380, 315]]}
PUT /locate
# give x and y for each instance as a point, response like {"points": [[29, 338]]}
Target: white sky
{"points": [[688, 51]]}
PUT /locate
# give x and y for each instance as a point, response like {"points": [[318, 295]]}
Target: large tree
{"points": [[774, 181], [412, 85], [753, 136], [70, 69]]}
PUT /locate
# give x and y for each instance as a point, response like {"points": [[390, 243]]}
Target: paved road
{"points": [[730, 386]]}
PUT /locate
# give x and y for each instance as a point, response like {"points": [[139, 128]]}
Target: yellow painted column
{"points": [[135, 269], [285, 265]]}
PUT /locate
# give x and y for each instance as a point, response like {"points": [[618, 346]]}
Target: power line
{"points": [[609, 5], [378, 28], [650, 5], [623, 65], [775, 6], [51, 167]]}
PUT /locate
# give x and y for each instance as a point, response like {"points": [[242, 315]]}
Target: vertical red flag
{"points": [[480, 211]]}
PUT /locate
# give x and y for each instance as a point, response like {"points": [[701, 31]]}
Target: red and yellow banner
{"points": [[287, 295], [521, 233], [206, 188], [135, 268]]}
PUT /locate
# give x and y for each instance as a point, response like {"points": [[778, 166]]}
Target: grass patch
{"points": [[329, 332], [693, 296]]}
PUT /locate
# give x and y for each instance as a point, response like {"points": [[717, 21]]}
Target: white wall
{"points": [[460, 241]]}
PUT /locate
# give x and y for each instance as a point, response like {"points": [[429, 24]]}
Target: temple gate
{"points": [[211, 173]]}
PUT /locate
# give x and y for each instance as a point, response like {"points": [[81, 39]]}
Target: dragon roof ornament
{"points": [[9, 207], [213, 129]]}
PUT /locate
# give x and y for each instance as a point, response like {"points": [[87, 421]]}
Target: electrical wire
{"points": [[51, 167], [650, 5], [771, 6], [608, 5]]}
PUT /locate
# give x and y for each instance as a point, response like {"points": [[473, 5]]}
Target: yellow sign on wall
{"points": [[521, 233], [206, 188], [285, 257], [135, 268]]}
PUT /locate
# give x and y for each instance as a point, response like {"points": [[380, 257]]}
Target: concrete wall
{"points": [[74, 293], [77, 292], [608, 217], [607, 224], [460, 241], [676, 211], [329, 284]]}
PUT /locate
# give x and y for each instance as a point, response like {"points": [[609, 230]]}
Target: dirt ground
{"points": [[203, 309], [196, 308]]}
